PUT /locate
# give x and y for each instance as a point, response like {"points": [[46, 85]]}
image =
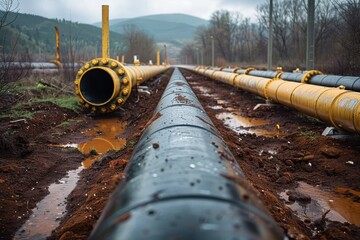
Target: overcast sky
{"points": [[90, 11]]}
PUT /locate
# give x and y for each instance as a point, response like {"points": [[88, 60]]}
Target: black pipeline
{"points": [[312, 77], [182, 181]]}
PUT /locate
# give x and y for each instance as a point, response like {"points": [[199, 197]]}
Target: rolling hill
{"points": [[36, 35], [169, 28]]}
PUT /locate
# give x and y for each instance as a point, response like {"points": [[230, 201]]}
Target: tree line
{"points": [[237, 41]]}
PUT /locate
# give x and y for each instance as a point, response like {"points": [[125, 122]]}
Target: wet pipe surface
{"points": [[182, 181]]}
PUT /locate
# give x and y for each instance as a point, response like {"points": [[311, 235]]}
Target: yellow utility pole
{"points": [[105, 31], [158, 58]]}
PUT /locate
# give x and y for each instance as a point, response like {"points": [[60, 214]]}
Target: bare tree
{"points": [[188, 53], [237, 41], [235, 38], [6, 7], [223, 25], [290, 29], [138, 43], [348, 29], [70, 55], [9, 70]]}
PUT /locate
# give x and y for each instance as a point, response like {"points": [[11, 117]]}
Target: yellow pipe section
{"points": [[104, 84], [158, 58], [338, 107], [225, 78], [57, 42], [247, 83], [57, 46], [105, 31]]}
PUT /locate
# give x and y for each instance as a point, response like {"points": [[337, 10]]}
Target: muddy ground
{"points": [[287, 152]]}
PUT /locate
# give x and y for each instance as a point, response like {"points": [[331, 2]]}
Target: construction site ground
{"points": [[298, 173]]}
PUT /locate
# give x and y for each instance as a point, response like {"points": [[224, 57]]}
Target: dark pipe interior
{"points": [[96, 86]]}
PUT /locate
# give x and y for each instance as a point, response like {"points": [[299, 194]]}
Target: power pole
{"points": [[105, 32], [165, 57], [310, 41], [270, 38], [202, 55], [212, 51], [197, 56]]}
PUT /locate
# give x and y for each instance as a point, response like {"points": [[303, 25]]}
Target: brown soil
{"points": [[28, 163]]}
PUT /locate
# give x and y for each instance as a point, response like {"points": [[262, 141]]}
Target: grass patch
{"points": [[70, 150], [68, 102], [93, 151], [15, 113], [307, 133], [65, 123], [19, 110], [28, 93], [312, 139], [9, 132], [65, 101], [119, 150], [132, 143]]}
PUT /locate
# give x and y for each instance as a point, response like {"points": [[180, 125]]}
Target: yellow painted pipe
{"points": [[338, 107], [248, 83], [345, 111], [57, 42], [105, 32], [104, 84], [225, 78], [209, 72], [56, 61], [281, 91], [158, 58]]}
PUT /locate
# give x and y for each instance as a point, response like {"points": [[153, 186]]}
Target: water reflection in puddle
{"points": [[216, 107], [341, 203], [211, 95], [238, 124], [47, 213], [202, 89], [104, 139], [221, 102]]}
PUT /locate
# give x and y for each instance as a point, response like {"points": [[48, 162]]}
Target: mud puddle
{"points": [[48, 212], [244, 125], [202, 90], [343, 203], [46, 215], [103, 138]]}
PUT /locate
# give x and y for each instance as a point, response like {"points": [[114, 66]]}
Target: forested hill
{"points": [[36, 35], [170, 28]]}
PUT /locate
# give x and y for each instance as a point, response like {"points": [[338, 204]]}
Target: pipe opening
{"points": [[97, 86]]}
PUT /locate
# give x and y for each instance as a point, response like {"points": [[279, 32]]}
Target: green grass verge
{"points": [[68, 102], [307, 133], [19, 111]]}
